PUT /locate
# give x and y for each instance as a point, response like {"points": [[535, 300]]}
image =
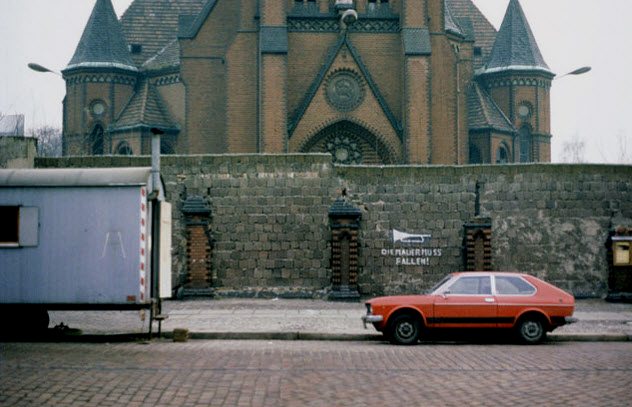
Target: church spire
{"points": [[102, 44], [515, 48]]}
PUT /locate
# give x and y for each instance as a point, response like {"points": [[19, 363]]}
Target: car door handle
{"points": [[489, 300]]}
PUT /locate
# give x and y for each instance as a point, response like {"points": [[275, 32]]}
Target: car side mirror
{"points": [[445, 293]]}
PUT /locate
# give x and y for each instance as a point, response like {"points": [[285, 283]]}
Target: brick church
{"points": [[369, 81]]}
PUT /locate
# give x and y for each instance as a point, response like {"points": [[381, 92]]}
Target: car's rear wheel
{"points": [[404, 330], [531, 330]]}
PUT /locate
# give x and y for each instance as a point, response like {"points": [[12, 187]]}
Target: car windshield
{"points": [[439, 284]]}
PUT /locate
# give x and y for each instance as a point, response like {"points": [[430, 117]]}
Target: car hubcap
{"points": [[531, 329], [405, 330]]}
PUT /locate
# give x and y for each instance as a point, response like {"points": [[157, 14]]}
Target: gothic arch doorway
{"points": [[349, 143], [96, 140]]}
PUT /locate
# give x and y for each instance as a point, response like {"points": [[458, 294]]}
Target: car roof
{"points": [[488, 273]]}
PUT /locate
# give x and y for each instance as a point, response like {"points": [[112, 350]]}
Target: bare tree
{"points": [[48, 140], [625, 151], [573, 151]]}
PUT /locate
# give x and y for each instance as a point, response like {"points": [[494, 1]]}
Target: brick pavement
{"points": [[271, 373]]}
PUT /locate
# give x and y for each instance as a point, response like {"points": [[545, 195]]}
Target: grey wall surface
{"points": [[87, 251], [271, 234], [17, 152]]}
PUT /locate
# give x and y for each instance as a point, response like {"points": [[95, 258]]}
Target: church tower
{"points": [[100, 79], [519, 82]]}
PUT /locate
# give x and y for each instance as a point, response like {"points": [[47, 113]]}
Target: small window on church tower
{"points": [[136, 48], [502, 154], [478, 51]]}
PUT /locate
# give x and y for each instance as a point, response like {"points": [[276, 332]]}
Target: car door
{"points": [[513, 295], [467, 303]]}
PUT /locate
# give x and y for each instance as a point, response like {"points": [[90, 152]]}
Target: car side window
{"points": [[475, 285], [511, 285]]}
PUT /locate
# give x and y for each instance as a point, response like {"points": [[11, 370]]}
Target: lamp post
{"points": [[578, 71], [39, 68], [575, 72]]}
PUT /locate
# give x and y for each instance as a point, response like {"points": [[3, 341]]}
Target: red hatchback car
{"points": [[526, 304]]}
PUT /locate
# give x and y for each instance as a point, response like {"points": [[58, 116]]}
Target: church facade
{"points": [[369, 81]]}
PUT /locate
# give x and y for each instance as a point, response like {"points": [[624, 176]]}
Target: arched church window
{"points": [[166, 147], [502, 154], [375, 4], [123, 148], [349, 143], [475, 155], [96, 140], [525, 144]]}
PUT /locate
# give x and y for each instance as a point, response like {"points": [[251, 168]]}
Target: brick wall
{"points": [[270, 228]]}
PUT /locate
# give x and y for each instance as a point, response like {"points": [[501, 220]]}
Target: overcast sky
{"points": [[595, 108]]}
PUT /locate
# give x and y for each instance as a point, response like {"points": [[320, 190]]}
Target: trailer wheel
{"points": [[29, 320], [40, 320]]}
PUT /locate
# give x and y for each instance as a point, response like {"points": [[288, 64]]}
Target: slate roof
{"points": [[168, 57], [465, 13], [484, 113], [144, 109], [450, 24], [102, 44], [515, 47], [153, 24]]}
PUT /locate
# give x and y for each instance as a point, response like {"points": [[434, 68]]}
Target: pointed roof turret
{"points": [[515, 48], [144, 110], [102, 44]]}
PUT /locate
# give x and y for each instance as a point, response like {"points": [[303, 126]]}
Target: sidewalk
{"points": [[285, 319]]}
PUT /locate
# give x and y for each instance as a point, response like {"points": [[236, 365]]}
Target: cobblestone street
{"points": [[309, 373]]}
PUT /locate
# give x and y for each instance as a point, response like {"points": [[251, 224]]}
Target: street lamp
{"points": [[578, 71], [39, 68]]}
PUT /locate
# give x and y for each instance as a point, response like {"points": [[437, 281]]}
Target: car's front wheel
{"points": [[531, 330], [404, 330]]}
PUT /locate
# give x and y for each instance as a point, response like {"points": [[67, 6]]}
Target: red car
{"points": [[526, 304]]}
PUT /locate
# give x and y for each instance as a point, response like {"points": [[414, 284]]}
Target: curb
{"points": [[315, 336], [591, 337], [287, 336], [279, 336]]}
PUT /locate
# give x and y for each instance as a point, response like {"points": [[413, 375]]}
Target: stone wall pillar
{"points": [[619, 250], [344, 220], [197, 215], [478, 245]]}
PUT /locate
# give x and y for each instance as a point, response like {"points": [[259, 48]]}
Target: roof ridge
{"points": [[200, 19], [320, 77], [450, 23], [143, 101], [136, 112], [164, 112], [488, 109]]}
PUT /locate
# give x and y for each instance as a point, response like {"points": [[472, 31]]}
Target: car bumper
{"points": [[561, 321], [371, 319]]}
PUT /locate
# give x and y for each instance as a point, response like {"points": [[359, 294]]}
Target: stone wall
{"points": [[270, 228], [17, 151], [552, 221]]}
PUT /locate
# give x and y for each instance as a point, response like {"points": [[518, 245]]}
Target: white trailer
{"points": [[82, 239]]}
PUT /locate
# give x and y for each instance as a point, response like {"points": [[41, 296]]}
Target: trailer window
{"points": [[19, 226], [10, 221]]}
